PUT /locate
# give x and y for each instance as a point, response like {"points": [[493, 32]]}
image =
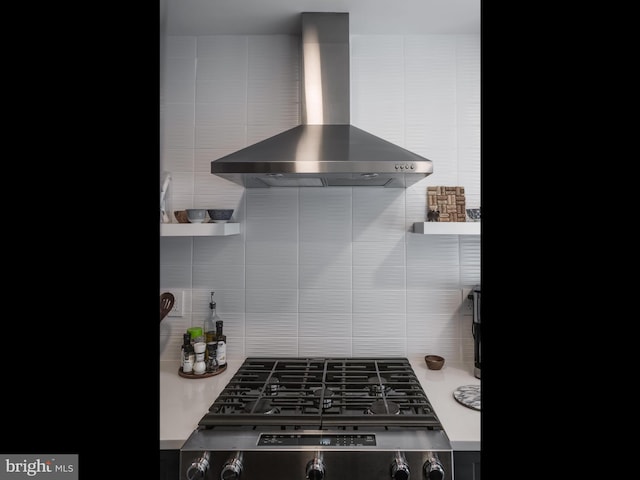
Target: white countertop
{"points": [[184, 401]]}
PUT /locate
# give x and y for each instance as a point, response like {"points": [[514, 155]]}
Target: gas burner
{"points": [[272, 387], [262, 406], [379, 407], [326, 401], [377, 386]]}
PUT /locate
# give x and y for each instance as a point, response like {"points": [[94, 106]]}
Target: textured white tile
{"points": [[378, 79], [170, 346], [470, 250], [431, 78], [218, 276], [325, 214], [323, 324], [439, 144], [175, 251], [379, 254], [378, 277], [179, 92], [272, 203], [469, 162], [223, 47], [331, 346], [271, 253], [218, 250], [325, 253], [230, 72], [271, 325], [271, 347], [430, 46], [449, 348], [432, 326], [272, 301], [470, 274], [271, 47], [432, 249], [379, 347], [272, 230], [180, 46], [177, 137], [179, 70], [181, 184], [179, 114], [433, 302], [421, 277], [376, 46], [212, 114], [177, 160], [285, 113], [278, 277], [222, 194], [178, 202], [221, 136], [274, 69], [229, 306], [324, 276], [421, 111], [416, 211], [235, 349], [216, 92], [379, 325], [378, 214], [178, 276], [322, 300], [387, 302], [273, 83], [468, 68]]}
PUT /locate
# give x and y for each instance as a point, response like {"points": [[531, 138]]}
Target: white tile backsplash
{"points": [[181, 46], [327, 271], [325, 276]]}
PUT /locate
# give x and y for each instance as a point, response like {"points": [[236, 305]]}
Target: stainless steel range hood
{"points": [[326, 150]]}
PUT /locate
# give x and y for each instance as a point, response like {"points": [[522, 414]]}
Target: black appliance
{"points": [[475, 329], [319, 419]]}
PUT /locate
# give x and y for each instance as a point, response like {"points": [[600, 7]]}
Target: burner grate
{"points": [[323, 392]]}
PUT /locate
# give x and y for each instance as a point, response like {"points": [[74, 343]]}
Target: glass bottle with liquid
{"points": [[210, 332], [221, 339]]}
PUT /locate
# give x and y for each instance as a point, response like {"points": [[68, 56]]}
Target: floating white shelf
{"points": [[447, 228], [198, 229]]}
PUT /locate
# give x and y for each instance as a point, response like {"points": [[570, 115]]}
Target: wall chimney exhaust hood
{"points": [[325, 150]]}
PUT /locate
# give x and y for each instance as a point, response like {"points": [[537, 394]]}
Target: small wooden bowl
{"points": [[181, 216], [434, 362]]}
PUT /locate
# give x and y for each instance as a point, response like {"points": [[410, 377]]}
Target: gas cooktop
{"points": [[321, 393], [319, 418]]}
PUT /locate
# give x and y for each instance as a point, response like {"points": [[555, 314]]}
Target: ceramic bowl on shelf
{"points": [[181, 216], [219, 215], [434, 362], [196, 215]]}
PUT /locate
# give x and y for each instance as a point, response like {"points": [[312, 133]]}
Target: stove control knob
{"points": [[399, 468], [433, 469], [198, 469], [315, 469], [232, 468]]}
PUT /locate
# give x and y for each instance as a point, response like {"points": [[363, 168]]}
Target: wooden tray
{"points": [[202, 375]]}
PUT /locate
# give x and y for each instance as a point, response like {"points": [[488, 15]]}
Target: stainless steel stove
{"points": [[320, 419]]}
